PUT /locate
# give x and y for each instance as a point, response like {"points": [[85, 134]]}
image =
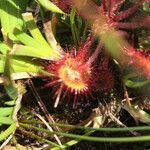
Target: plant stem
{"points": [[94, 139], [140, 128]]}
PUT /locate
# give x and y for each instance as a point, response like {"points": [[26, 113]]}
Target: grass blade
{"points": [[26, 39], [35, 32], [24, 65], [50, 6], [8, 131], [138, 84], [29, 51], [5, 111], [6, 120], [4, 48], [10, 16], [8, 83], [20, 64], [31, 42]]}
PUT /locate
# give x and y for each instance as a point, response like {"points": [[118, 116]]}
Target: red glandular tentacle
{"points": [[115, 5], [140, 61], [83, 51], [124, 14], [95, 54], [133, 25]]}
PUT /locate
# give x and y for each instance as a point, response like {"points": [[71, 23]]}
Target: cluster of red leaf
{"points": [[76, 72]]}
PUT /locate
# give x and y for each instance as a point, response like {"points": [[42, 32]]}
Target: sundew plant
{"points": [[74, 74]]}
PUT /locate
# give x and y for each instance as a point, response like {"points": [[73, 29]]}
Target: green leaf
{"points": [[25, 66], [5, 111], [6, 120], [23, 4], [8, 131], [4, 48], [137, 113], [29, 51], [10, 17], [35, 32], [2, 63], [21, 65], [46, 52], [10, 103], [8, 83], [50, 6], [132, 84], [26, 39]]}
